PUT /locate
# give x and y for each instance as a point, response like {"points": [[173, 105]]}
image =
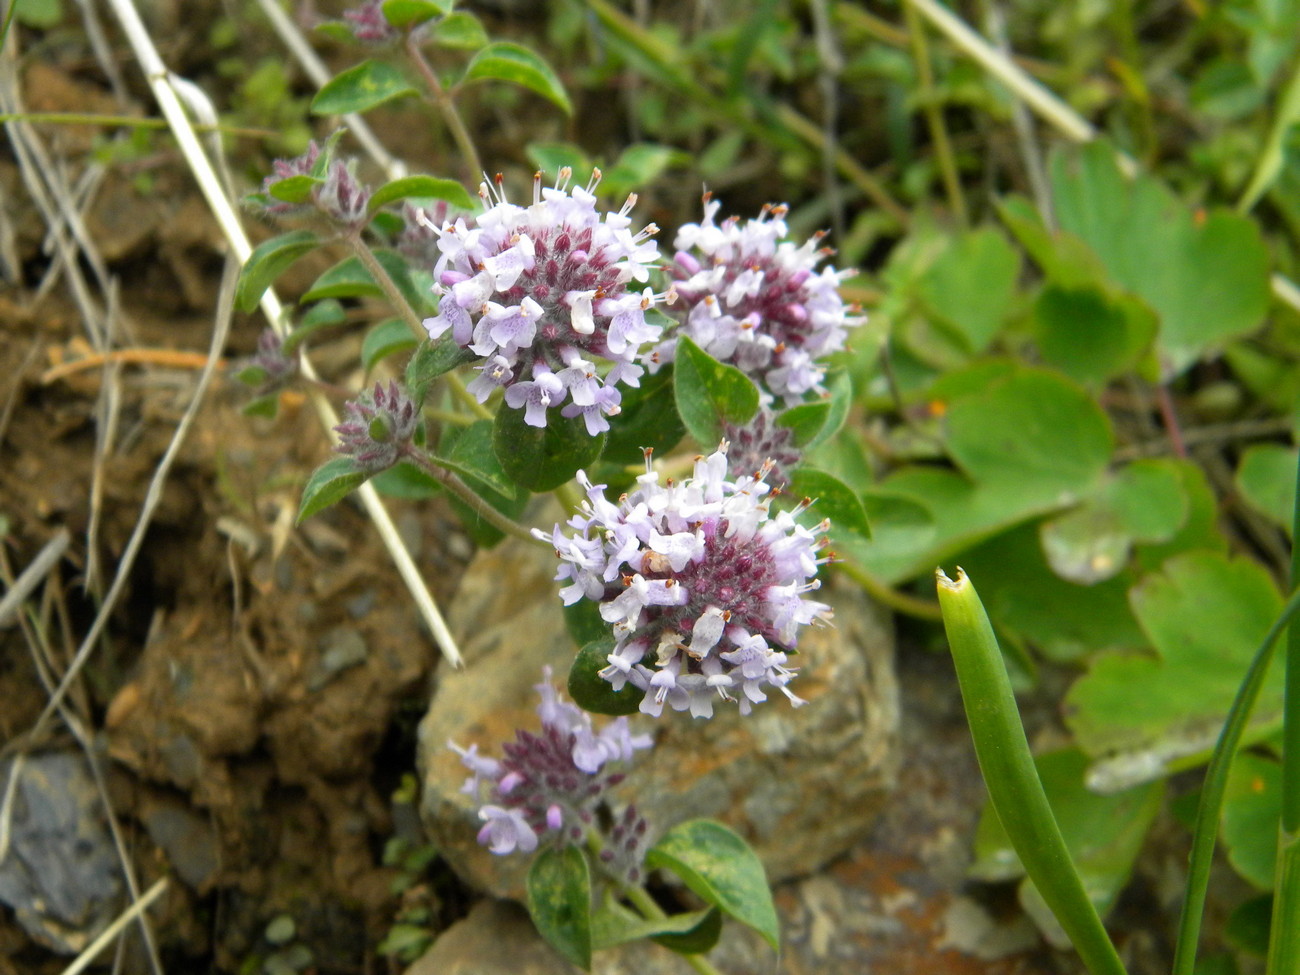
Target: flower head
{"points": [[368, 23], [376, 425], [762, 440], [550, 783], [339, 195], [703, 584], [750, 297], [544, 293]]}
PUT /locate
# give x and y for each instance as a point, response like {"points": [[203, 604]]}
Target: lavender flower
{"points": [[752, 298], [541, 293], [376, 426], [551, 783], [700, 579]]}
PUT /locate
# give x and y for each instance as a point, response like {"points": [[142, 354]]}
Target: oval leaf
{"points": [[504, 61], [695, 941], [408, 13], [710, 393], [460, 30], [559, 901], [350, 279], [294, 189], [384, 340], [430, 361], [593, 693], [834, 500], [319, 316], [812, 424], [688, 934], [721, 868], [360, 89], [424, 187], [269, 260], [543, 458], [648, 420], [329, 484]]}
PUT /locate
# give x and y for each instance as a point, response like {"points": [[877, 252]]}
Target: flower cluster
{"points": [[750, 297], [376, 426], [699, 578], [339, 195], [368, 23], [551, 783], [542, 292]]}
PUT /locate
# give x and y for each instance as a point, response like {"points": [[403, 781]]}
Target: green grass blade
{"points": [[1284, 939], [1015, 790], [1210, 807]]}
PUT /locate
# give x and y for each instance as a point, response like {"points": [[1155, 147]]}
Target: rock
{"points": [[497, 938], [801, 785], [60, 873]]}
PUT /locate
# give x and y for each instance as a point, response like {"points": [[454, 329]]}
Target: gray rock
{"points": [[497, 938], [801, 785], [60, 873]]}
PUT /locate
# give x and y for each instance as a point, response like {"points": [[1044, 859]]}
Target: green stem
{"points": [[1284, 938], [386, 284], [900, 602], [395, 298], [643, 902], [447, 106], [1015, 790], [456, 486], [934, 116], [1212, 792]]}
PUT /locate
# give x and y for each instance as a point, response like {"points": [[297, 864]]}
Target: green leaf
{"points": [[1062, 620], [468, 452], [385, 339], [461, 31], [329, 484], [543, 458], [350, 279], [1206, 276], [406, 481], [1103, 833], [269, 260], [1266, 478], [687, 934], [1032, 428], [294, 189], [409, 13], [639, 166], [696, 940], [1205, 614], [971, 286], [321, 315], [812, 424], [423, 187], [722, 869], [583, 621], [710, 393], [649, 420], [593, 693], [1143, 502], [1252, 806], [471, 456], [834, 500], [264, 406], [504, 61], [429, 361], [361, 88], [559, 902], [1091, 335]]}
